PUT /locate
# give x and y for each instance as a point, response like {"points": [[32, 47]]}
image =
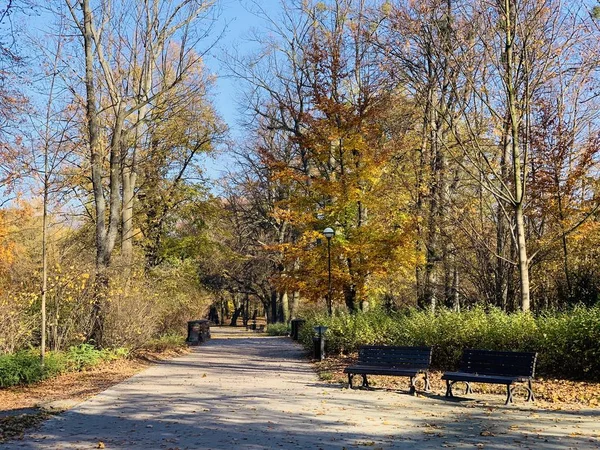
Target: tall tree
{"points": [[131, 58]]}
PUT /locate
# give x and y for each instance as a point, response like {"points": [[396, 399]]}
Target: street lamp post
{"points": [[329, 233]]}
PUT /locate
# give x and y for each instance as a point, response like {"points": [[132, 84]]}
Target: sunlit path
{"points": [[243, 390]]}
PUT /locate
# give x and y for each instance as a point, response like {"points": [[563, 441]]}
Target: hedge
{"points": [[568, 342]]}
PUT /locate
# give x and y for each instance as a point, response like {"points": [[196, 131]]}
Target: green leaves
{"points": [[568, 343], [24, 367]]}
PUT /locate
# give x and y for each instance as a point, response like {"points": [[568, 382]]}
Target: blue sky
{"points": [[238, 22]]}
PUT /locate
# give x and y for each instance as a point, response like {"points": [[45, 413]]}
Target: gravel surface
{"points": [[250, 391]]}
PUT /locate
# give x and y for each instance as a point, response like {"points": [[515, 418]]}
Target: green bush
{"points": [[24, 367], [278, 329], [568, 343], [83, 356], [168, 341]]}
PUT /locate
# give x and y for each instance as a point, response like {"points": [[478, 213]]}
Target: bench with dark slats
{"points": [[392, 361], [494, 367]]}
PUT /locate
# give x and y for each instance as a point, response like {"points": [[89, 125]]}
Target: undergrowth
{"points": [[24, 367], [278, 329]]}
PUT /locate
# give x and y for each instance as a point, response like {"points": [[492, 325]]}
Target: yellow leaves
{"points": [[386, 8], [321, 7]]}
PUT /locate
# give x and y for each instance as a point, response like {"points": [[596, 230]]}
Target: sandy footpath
{"points": [[249, 391]]}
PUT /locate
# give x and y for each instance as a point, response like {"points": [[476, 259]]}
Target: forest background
{"points": [[452, 145]]}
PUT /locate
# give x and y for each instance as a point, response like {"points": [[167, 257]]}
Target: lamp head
{"points": [[328, 232]]}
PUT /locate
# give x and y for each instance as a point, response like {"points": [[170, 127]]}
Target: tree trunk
{"points": [[501, 272], [285, 307], [274, 297], [236, 314], [523, 261], [44, 259], [294, 305], [456, 295], [96, 319], [518, 169], [129, 180], [350, 297]]}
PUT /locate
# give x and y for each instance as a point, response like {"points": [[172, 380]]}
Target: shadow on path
{"points": [[259, 392]]}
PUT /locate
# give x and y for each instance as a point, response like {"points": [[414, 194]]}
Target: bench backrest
{"points": [[492, 362], [400, 357]]}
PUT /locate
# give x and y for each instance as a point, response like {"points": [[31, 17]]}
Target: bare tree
{"points": [[135, 53]]}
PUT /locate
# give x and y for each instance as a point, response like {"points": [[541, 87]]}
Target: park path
{"points": [[250, 391]]}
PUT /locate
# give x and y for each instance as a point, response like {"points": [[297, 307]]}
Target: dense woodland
{"points": [[453, 146]]}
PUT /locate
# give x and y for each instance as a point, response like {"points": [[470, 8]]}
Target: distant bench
{"points": [[494, 367], [391, 361]]}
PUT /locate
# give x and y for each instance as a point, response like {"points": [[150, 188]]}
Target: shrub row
{"points": [[568, 343], [278, 329], [24, 367]]}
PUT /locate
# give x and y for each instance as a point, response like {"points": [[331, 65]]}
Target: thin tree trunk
{"points": [[518, 178], [294, 305], [274, 297], [129, 180], [100, 281], [285, 307], [44, 259]]}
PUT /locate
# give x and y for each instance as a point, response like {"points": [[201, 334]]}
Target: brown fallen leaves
{"points": [[14, 426]]}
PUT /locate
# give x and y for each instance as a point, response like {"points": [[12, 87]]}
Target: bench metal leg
{"points": [[530, 396], [468, 388], [427, 384], [365, 382], [449, 389], [511, 389], [509, 394], [350, 377], [413, 388]]}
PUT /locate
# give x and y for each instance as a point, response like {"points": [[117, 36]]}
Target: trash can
{"points": [[296, 326], [198, 332], [319, 342]]}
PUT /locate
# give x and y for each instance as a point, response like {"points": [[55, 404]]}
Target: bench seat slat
{"points": [[380, 370], [498, 362], [473, 377], [394, 361]]}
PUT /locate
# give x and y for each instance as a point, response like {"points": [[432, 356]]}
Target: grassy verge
{"points": [[24, 367]]}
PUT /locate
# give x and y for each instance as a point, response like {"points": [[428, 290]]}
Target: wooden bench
{"points": [[494, 367], [392, 361]]}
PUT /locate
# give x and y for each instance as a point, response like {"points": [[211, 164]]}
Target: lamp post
{"points": [[329, 233]]}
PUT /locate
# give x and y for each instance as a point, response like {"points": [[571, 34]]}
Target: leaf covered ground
{"points": [[23, 407], [550, 393]]}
